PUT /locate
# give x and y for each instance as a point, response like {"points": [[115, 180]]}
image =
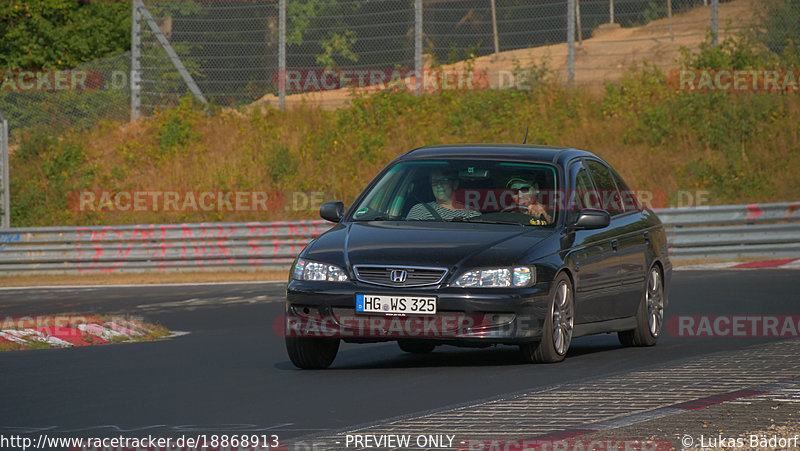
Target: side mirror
{"points": [[590, 219], [332, 211]]}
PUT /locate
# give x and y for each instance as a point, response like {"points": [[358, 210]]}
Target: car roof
{"points": [[511, 152]]}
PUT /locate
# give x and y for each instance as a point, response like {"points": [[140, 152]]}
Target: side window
{"points": [[606, 187], [629, 200], [583, 195], [583, 186]]}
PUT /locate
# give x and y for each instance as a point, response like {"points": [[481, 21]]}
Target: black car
{"points": [[478, 245]]}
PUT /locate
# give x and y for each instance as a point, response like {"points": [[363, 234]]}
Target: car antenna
{"points": [[526, 136]]}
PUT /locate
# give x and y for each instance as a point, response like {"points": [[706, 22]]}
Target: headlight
{"points": [[520, 276], [310, 270]]}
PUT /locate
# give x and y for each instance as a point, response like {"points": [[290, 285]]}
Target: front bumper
{"points": [[470, 317]]}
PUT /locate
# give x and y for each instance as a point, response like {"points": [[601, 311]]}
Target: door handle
{"points": [[646, 237], [614, 244]]}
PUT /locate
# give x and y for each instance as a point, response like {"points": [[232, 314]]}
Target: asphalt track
{"points": [[231, 374]]}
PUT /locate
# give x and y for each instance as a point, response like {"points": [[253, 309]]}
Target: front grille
{"points": [[415, 276]]}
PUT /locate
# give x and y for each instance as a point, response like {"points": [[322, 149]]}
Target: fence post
{"points": [[282, 54], [6, 200], [494, 28], [136, 54], [610, 11], [418, 44], [578, 22], [669, 14], [570, 42], [714, 22]]}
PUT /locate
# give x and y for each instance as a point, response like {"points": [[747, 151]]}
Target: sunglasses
{"points": [[441, 181], [524, 189]]}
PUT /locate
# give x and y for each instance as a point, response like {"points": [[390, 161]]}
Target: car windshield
{"points": [[468, 191]]}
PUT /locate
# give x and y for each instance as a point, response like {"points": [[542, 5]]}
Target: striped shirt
{"points": [[420, 211]]}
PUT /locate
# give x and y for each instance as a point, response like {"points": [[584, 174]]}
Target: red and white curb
{"points": [[26, 336], [64, 331], [792, 263]]}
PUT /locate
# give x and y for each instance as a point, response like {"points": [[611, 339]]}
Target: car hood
{"points": [[441, 244]]}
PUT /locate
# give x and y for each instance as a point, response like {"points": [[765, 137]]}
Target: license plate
{"points": [[396, 305]]}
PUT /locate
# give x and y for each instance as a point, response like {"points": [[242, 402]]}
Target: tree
{"points": [[49, 34], [316, 21]]}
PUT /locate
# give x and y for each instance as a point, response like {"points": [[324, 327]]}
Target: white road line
{"points": [[705, 266], [793, 265], [50, 287]]}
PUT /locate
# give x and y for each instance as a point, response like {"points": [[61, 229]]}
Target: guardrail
{"points": [[731, 232], [720, 233], [157, 247], [730, 214]]}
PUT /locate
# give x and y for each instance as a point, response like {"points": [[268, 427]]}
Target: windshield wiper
{"points": [[376, 218], [490, 221]]}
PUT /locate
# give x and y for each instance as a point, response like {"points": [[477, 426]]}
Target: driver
{"points": [[526, 199], [443, 184]]}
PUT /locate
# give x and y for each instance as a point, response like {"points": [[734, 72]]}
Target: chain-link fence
{"points": [[233, 49], [36, 101], [229, 53], [228, 48], [452, 27]]}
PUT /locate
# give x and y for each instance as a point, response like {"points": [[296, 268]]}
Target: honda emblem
{"points": [[399, 275]]}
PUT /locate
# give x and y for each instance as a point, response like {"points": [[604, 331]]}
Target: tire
{"points": [[416, 347], [312, 353], [558, 326], [649, 315]]}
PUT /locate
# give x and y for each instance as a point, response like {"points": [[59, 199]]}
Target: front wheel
{"points": [[312, 353], [558, 325], [649, 315]]}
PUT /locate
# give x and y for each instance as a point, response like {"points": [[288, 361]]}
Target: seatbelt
{"points": [[433, 212]]}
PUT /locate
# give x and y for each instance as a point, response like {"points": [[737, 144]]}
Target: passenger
{"points": [[526, 199], [443, 185]]}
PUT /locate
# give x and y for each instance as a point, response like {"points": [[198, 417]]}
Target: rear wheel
{"points": [[416, 347], [312, 353], [558, 325], [649, 315]]}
